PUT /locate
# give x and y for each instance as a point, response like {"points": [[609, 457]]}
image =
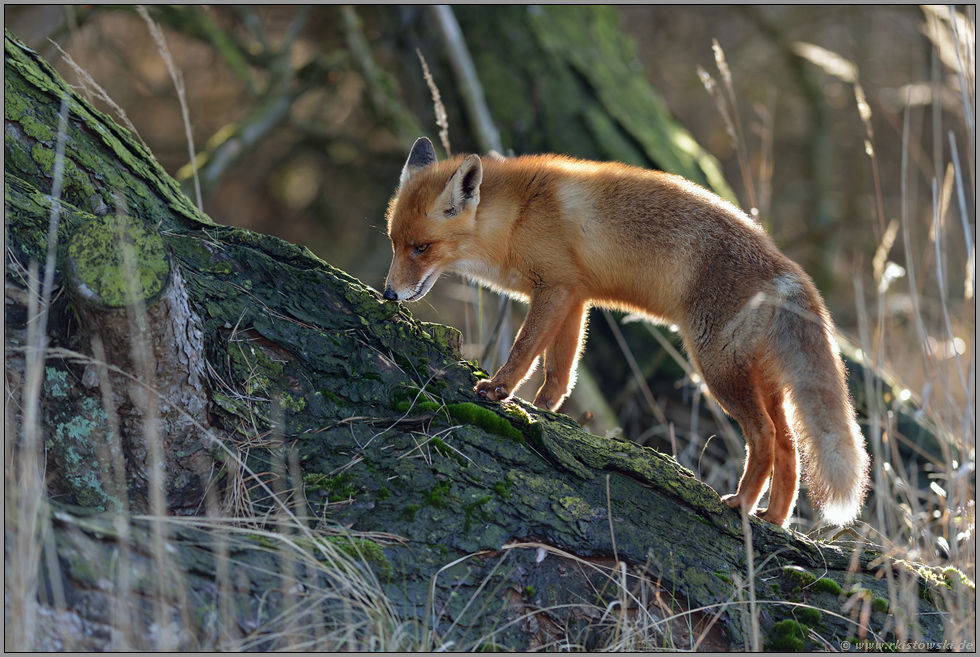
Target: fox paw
{"points": [[768, 516], [731, 500], [548, 401], [486, 389]]}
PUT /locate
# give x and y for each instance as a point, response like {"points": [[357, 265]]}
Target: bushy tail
{"points": [[835, 462]]}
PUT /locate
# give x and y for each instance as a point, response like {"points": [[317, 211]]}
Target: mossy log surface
{"points": [[484, 524], [566, 79]]}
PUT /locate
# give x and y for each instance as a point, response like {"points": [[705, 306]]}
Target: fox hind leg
{"points": [[786, 466], [739, 392]]}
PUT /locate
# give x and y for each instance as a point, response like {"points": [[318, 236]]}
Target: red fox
{"points": [[566, 234]]}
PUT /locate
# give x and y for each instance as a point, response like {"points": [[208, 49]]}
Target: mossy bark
{"points": [[566, 79], [484, 524]]}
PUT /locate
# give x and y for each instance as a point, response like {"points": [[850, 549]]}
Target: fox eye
{"points": [[421, 248]]}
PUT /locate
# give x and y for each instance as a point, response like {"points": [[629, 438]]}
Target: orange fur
{"points": [[567, 234]]}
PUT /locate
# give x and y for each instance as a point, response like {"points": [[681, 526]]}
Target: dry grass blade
{"points": [[441, 120], [178, 81], [92, 90], [735, 128]]}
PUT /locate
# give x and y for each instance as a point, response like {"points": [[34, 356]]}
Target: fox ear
{"points": [[422, 155], [462, 192]]}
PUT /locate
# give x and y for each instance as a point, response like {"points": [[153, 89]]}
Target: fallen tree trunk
{"points": [[356, 494]]}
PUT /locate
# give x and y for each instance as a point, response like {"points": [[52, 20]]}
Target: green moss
{"points": [[31, 126], [383, 493], [827, 585], [339, 487], [572, 508], [254, 366], [368, 551], [473, 509], [291, 403], [879, 604], [955, 576], [440, 446], [723, 577], [518, 413], [477, 504], [44, 158], [464, 413], [788, 636], [799, 575], [435, 496], [529, 591], [265, 541], [410, 511], [809, 616], [929, 578], [502, 488], [470, 413], [332, 397]]}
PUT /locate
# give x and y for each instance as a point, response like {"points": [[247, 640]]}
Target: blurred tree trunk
{"points": [[335, 419]]}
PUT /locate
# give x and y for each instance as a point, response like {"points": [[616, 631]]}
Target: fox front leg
{"points": [[560, 358], [546, 317]]}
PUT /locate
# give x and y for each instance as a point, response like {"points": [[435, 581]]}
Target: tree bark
{"points": [[356, 474]]}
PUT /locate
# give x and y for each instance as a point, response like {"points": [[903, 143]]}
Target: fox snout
{"points": [[411, 285]]}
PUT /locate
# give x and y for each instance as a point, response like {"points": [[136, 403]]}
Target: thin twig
{"points": [[654, 406]]}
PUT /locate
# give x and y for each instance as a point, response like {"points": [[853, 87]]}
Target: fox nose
{"points": [[390, 294]]}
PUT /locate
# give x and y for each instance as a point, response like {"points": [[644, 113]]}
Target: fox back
{"points": [[566, 234]]}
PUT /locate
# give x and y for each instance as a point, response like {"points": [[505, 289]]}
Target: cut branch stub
{"points": [[114, 262], [148, 366]]}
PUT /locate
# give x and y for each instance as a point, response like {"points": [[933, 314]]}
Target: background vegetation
{"points": [[850, 130]]}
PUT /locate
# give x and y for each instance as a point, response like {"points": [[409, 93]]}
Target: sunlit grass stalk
{"points": [[24, 487]]}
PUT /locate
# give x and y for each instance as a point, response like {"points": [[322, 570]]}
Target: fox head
{"points": [[430, 219]]}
